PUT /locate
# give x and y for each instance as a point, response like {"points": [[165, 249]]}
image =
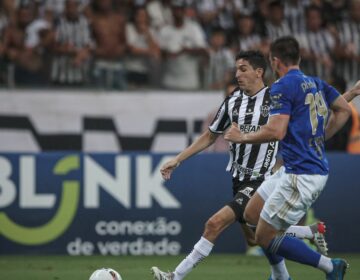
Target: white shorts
{"points": [[288, 197]]}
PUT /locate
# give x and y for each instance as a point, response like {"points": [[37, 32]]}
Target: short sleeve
{"points": [[330, 93], [280, 99], [221, 121]]}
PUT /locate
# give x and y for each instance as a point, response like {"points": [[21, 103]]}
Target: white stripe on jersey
{"points": [[247, 161]]}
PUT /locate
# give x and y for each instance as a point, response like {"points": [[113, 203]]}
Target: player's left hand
{"points": [[233, 134], [357, 85], [355, 90]]}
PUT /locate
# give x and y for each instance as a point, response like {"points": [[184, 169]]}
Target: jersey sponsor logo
{"points": [[244, 170], [239, 200], [264, 110], [275, 98], [246, 128], [269, 155], [247, 191]]}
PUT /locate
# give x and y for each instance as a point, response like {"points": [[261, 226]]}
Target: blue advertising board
{"points": [[117, 204]]}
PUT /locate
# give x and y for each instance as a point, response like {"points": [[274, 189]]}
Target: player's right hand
{"points": [[168, 168]]}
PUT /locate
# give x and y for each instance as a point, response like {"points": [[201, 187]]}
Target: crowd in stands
{"points": [[167, 44]]}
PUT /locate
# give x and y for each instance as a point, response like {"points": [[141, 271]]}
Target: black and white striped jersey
{"points": [[321, 43], [78, 33], [274, 32], [247, 162], [349, 36], [252, 41], [295, 15]]}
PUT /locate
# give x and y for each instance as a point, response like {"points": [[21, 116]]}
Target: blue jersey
{"points": [[306, 100]]}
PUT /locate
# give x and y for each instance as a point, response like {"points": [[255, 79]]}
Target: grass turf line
{"points": [[215, 267]]}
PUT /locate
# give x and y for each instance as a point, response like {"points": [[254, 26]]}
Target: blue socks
{"points": [[293, 249]]}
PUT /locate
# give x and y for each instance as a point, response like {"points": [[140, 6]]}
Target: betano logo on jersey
{"points": [[149, 188], [246, 128]]}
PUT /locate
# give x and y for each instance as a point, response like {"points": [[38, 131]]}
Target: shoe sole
{"points": [[320, 243]]}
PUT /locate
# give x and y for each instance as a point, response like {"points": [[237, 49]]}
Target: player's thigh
{"points": [[253, 209], [243, 192], [293, 196], [270, 184]]}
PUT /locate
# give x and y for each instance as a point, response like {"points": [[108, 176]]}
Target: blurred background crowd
{"points": [[167, 44]]}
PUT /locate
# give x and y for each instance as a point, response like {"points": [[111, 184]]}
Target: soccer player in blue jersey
{"points": [[300, 119]]}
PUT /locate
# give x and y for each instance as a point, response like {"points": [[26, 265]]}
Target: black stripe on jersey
{"points": [[225, 117], [256, 147], [235, 118], [227, 106], [248, 118]]}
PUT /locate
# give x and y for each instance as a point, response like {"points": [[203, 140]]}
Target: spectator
{"points": [[245, 7], [55, 9], [348, 50], [109, 35], [294, 11], [247, 37], [3, 24], [26, 42], [221, 61], [207, 12], [9, 9], [72, 49], [159, 13], [260, 15], [227, 11], [317, 45], [143, 63], [276, 25], [183, 43], [335, 11]]}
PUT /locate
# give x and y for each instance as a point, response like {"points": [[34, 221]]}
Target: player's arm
{"points": [[341, 111], [217, 127], [353, 92], [274, 130], [205, 140]]}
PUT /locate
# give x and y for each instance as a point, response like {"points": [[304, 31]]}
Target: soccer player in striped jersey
{"points": [[249, 165], [300, 120]]}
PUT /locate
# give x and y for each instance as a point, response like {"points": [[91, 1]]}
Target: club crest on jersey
{"points": [[264, 110]]}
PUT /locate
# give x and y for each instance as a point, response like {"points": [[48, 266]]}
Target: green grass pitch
{"points": [[215, 267]]}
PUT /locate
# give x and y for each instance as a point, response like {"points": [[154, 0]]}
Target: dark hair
{"points": [[287, 49], [255, 58], [276, 4], [311, 8]]}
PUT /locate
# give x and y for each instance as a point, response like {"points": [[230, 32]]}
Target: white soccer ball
{"points": [[105, 274]]}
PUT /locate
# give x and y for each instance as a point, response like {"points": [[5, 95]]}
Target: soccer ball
{"points": [[105, 274]]}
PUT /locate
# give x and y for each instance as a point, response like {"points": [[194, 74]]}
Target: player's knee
{"points": [[261, 240], [250, 217], [214, 224]]}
